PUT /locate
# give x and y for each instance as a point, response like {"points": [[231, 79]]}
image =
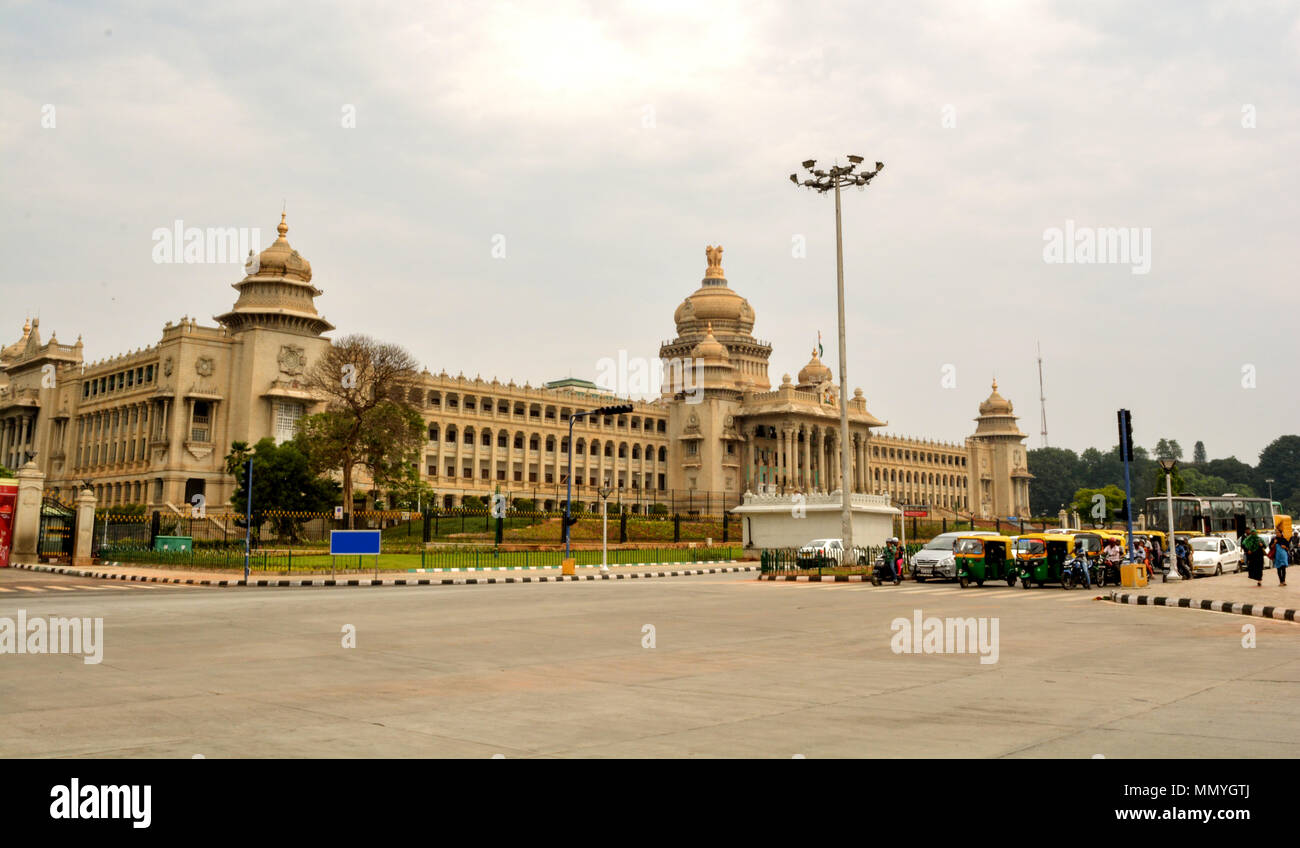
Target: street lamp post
{"points": [[822, 181], [1272, 514], [1171, 573], [604, 493]]}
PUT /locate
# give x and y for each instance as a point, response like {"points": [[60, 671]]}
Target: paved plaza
{"points": [[738, 668]]}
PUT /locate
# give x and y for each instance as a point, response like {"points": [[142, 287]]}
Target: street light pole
{"points": [[821, 182], [1272, 514], [1171, 573]]}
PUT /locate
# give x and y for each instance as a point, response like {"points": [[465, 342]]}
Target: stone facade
{"points": [[152, 426]]}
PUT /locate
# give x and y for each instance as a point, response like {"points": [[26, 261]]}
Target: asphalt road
{"points": [[739, 668]]}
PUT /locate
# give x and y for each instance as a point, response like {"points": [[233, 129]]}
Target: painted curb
{"points": [[818, 578], [557, 568], [356, 581], [1235, 607]]}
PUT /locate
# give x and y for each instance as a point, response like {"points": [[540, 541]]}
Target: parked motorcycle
{"points": [[1074, 573]]}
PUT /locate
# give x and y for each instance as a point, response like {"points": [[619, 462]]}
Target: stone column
{"points": [[27, 520], [85, 527], [805, 468]]}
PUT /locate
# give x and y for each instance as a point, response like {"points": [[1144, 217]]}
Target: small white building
{"points": [[791, 521]]}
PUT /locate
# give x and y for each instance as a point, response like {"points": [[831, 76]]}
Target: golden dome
{"points": [[714, 301], [710, 348], [815, 372], [996, 403], [280, 260]]}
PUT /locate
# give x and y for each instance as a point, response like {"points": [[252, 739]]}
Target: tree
{"points": [[390, 443], [5, 472], [356, 376], [282, 482], [1169, 449], [1194, 480], [1232, 469], [1057, 475], [1198, 453], [1281, 461], [1088, 507]]}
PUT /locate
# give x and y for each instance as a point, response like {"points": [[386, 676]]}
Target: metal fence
{"points": [[790, 561], [117, 534], [317, 560]]}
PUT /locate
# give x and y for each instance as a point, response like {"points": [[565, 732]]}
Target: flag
{"points": [[820, 351]]}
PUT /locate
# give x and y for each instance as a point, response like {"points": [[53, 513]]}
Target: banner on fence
{"points": [[354, 542]]}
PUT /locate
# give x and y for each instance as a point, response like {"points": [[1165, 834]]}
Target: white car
{"points": [[823, 549], [1215, 555], [935, 561]]}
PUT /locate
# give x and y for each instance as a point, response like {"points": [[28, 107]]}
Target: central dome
{"points": [[714, 302]]}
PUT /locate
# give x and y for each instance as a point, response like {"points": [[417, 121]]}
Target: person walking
{"points": [[1254, 548], [1181, 558], [1280, 552]]}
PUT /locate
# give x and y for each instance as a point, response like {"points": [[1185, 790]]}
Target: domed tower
{"points": [[714, 375], [276, 337], [717, 308], [814, 373], [999, 473], [277, 293]]}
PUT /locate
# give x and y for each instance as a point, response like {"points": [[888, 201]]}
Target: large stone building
{"points": [[152, 426]]}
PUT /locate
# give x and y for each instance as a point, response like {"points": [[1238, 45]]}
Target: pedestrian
{"points": [[1180, 558], [1254, 548], [1157, 554], [1280, 552]]}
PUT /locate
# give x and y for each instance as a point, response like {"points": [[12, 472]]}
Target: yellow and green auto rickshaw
{"points": [[1043, 566], [981, 558]]}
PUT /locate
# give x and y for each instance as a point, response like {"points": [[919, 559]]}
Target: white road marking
{"points": [[61, 588]]}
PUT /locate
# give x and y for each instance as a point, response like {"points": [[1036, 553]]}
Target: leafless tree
{"points": [[355, 376]]}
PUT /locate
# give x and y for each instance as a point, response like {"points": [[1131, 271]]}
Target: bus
{"points": [[1227, 513]]}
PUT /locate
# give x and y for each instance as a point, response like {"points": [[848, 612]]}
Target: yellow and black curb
{"points": [[396, 581], [1235, 607]]}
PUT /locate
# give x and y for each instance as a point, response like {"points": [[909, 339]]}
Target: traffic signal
{"points": [[1125, 435], [612, 410]]}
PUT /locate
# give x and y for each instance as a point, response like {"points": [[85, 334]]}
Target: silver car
{"points": [[935, 561]]}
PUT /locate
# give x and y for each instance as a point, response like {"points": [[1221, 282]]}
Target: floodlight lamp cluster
{"points": [[838, 176]]}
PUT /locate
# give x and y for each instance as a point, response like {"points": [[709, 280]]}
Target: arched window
{"points": [[433, 432], [469, 435], [451, 432], [663, 454]]}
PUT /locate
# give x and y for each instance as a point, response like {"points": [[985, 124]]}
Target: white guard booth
{"points": [[791, 521]]}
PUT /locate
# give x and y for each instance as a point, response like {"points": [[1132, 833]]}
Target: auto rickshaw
{"points": [[981, 558], [1045, 567]]}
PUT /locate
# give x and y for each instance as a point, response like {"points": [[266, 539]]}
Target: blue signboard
{"points": [[354, 542]]}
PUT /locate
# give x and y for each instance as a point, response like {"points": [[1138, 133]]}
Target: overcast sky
{"points": [[609, 143]]}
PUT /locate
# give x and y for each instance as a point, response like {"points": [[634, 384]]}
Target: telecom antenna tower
{"points": [[1042, 401]]}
